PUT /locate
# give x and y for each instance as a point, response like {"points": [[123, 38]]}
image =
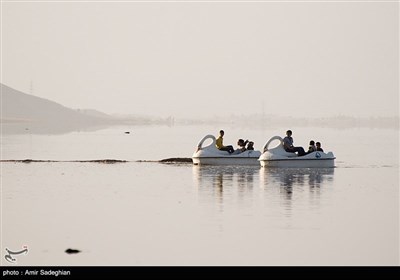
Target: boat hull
{"points": [[225, 161], [298, 163]]}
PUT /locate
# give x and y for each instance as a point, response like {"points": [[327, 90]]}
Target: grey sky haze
{"points": [[195, 59]]}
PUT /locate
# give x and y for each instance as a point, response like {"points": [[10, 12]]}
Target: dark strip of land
{"points": [[176, 160], [106, 161], [39, 160]]}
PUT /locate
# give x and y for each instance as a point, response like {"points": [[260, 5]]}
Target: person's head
{"points": [[250, 144], [289, 133], [318, 144], [221, 133], [240, 142], [312, 143]]}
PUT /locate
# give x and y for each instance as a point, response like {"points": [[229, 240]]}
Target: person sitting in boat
{"points": [[318, 148], [241, 146], [288, 145], [312, 147], [250, 146], [219, 143]]}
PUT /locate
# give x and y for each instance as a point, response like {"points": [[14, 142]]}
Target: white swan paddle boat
{"points": [[210, 155], [278, 157]]}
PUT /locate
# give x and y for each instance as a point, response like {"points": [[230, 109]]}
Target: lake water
{"points": [[148, 213]]}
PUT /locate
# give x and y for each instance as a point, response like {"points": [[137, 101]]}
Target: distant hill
{"points": [[17, 106], [94, 113], [22, 113], [25, 113]]}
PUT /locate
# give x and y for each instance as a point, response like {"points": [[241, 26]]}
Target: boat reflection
{"points": [[223, 181], [289, 177], [222, 187], [289, 185]]}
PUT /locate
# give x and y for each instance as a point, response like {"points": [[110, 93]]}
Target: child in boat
{"points": [[318, 144], [241, 146], [312, 147], [250, 146]]}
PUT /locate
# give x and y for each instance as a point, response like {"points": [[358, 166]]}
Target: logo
{"points": [[317, 155], [10, 253]]}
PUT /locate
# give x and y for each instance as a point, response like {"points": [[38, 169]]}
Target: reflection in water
{"points": [[289, 177], [291, 183], [223, 181], [283, 190]]}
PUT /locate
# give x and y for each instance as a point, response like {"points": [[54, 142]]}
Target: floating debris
{"points": [[72, 251]]}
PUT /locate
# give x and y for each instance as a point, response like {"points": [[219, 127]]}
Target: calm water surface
{"points": [[147, 213]]}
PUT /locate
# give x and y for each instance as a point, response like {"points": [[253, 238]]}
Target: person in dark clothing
{"points": [[312, 147], [318, 144], [250, 146], [242, 145], [289, 147]]}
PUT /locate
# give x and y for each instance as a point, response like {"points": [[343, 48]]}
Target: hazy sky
{"points": [[201, 59]]}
